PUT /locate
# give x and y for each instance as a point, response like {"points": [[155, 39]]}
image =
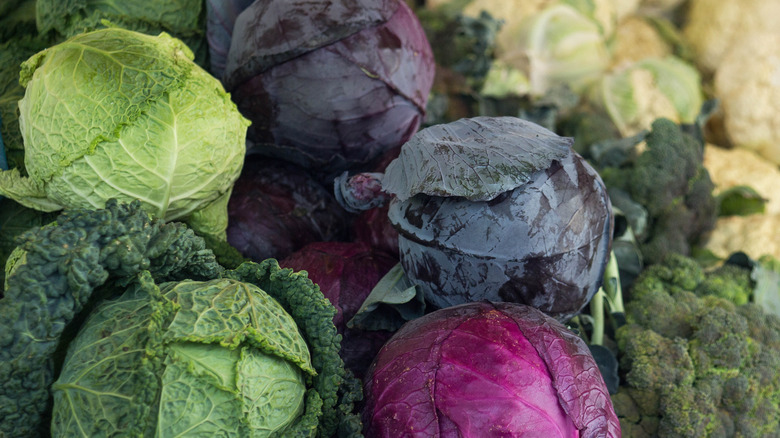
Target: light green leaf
{"points": [[393, 301]]}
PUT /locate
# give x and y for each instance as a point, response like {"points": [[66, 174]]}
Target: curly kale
{"points": [[697, 360], [64, 265], [669, 180]]}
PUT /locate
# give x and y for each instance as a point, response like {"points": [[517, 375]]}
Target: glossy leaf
{"points": [[477, 158], [487, 368]]}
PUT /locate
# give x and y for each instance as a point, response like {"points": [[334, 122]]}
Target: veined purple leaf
{"points": [[476, 158], [270, 32]]}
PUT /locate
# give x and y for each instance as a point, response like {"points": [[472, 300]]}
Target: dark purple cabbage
{"points": [[277, 208], [329, 84], [373, 227], [486, 369], [500, 210], [346, 272], [220, 17]]}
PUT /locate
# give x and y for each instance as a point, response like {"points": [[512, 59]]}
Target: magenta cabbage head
{"points": [[329, 84], [486, 369]]}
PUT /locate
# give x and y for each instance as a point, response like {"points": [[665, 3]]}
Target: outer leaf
{"points": [[220, 17], [314, 316], [108, 370], [26, 191], [393, 301], [268, 32], [71, 17], [229, 312], [477, 158]]}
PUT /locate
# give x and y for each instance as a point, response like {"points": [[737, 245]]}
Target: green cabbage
{"points": [[194, 358], [119, 114]]}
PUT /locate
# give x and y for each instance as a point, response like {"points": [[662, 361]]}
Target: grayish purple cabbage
{"points": [[538, 231]]}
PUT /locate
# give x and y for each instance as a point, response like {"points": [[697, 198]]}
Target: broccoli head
{"points": [[697, 359], [669, 180]]}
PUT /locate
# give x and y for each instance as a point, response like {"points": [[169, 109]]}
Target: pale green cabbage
{"points": [[648, 89], [119, 114], [557, 46], [212, 358]]}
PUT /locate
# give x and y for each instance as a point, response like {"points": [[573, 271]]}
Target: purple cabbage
{"points": [[486, 369], [220, 17], [500, 209], [346, 272], [277, 208], [328, 84]]}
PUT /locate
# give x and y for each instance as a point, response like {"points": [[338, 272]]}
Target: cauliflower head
{"points": [[747, 82], [712, 26]]}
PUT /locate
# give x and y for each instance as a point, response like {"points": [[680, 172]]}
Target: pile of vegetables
{"points": [[389, 218]]}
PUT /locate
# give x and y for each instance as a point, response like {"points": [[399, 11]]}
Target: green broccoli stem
{"points": [[611, 285], [610, 292], [597, 312]]}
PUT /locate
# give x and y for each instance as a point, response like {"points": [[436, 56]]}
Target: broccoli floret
{"points": [[728, 281], [694, 361], [669, 180]]}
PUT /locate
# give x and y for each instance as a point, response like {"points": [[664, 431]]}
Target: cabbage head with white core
{"points": [[119, 114]]}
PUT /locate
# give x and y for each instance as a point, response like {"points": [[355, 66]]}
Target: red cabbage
{"points": [[333, 87], [486, 369], [346, 272], [277, 208], [374, 228]]}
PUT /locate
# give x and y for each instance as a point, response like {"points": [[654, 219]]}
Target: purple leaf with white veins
{"points": [[476, 158]]}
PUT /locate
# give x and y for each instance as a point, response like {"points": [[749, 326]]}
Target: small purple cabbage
{"points": [[500, 209], [346, 272], [327, 84], [486, 369], [277, 208]]}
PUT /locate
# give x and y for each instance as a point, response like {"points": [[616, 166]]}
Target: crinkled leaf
{"points": [[392, 302], [477, 158], [230, 312], [26, 191], [70, 17]]}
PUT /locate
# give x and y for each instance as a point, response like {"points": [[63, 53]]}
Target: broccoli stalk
{"points": [[610, 293]]}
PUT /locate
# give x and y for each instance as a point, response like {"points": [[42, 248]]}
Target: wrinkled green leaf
{"points": [[393, 301], [740, 201]]}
